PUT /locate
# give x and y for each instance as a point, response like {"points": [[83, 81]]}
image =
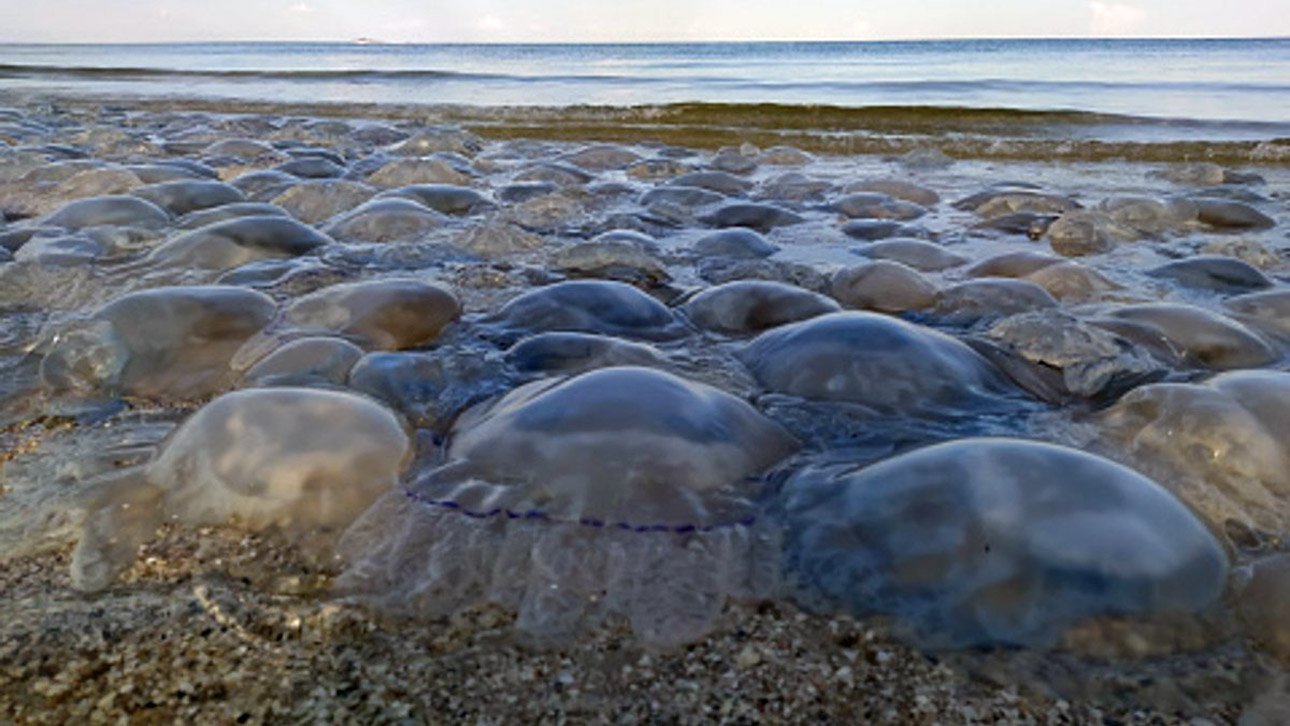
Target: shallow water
{"points": [[1223, 99]]}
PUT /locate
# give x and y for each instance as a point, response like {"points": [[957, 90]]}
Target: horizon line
{"points": [[372, 41]]}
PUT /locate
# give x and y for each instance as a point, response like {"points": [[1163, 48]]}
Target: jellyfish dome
{"points": [[996, 541], [622, 492], [304, 462], [1221, 445], [876, 361]]}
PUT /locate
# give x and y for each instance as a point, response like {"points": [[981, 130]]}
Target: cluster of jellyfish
{"points": [[603, 487]]}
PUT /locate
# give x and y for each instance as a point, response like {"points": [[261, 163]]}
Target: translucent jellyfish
{"points": [[1221, 445], [579, 352], [717, 181], [602, 157], [1264, 604], [445, 198], [235, 242], [876, 205], [591, 306], [919, 254], [182, 197], [754, 215], [385, 314], [1213, 272], [160, 343], [406, 172], [1268, 310], [751, 306], [974, 300], [123, 211], [737, 242], [386, 220], [996, 541], [223, 213], [305, 362], [876, 361], [883, 285], [623, 492], [1191, 335], [302, 462], [312, 202], [430, 388], [1072, 281]]}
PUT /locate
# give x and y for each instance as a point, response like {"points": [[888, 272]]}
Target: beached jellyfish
{"points": [[302, 462], [876, 361], [123, 211], [995, 541], [387, 314], [235, 242], [312, 202], [159, 343], [751, 306], [444, 198], [579, 352], [619, 493], [315, 361], [1221, 445], [591, 306], [386, 220], [1190, 335], [182, 197]]}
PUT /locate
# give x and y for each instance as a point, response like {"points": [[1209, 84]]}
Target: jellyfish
{"points": [[876, 361], [995, 541], [591, 306], [303, 462], [621, 493], [389, 314], [158, 343], [1220, 445]]}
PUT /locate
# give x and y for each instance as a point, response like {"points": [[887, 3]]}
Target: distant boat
{"points": [[368, 41]]}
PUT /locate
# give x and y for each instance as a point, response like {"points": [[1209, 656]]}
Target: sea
{"points": [[1109, 97]]}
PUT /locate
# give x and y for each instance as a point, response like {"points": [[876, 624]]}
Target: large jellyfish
{"points": [[301, 461], [387, 314], [591, 306], [158, 343], [623, 492], [989, 541], [880, 362], [1221, 445]]}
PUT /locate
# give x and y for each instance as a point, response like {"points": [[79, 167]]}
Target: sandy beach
{"points": [[235, 617]]}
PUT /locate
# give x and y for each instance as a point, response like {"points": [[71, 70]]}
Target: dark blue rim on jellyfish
{"points": [[535, 514]]}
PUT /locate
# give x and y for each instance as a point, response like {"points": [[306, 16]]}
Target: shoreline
{"points": [[218, 626], [961, 133]]}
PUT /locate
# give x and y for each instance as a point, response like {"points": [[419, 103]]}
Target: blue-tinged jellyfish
{"points": [[622, 493]]}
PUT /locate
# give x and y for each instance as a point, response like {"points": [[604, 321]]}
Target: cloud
{"points": [[301, 8], [1115, 18]]}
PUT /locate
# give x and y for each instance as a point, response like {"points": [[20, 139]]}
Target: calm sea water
{"points": [[1231, 88]]}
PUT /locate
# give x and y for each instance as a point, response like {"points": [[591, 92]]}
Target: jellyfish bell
{"points": [[622, 492], [304, 462], [876, 361], [158, 343], [990, 541]]}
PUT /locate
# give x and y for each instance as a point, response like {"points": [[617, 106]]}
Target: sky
{"points": [[437, 21]]}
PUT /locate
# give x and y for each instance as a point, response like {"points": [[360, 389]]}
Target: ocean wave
{"points": [[960, 86]]}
